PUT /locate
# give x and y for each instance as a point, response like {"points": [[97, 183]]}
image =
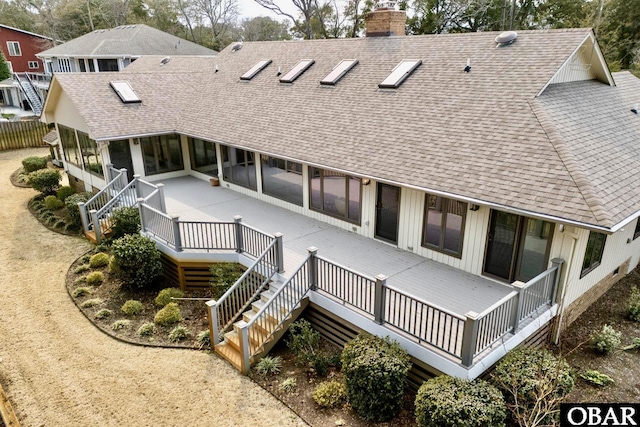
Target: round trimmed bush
{"points": [[132, 307], [376, 371], [95, 278], [45, 181], [32, 164], [103, 314], [136, 260], [52, 202], [168, 315], [71, 202], [64, 192], [99, 260], [147, 329], [330, 394], [126, 220], [446, 401], [165, 295]]}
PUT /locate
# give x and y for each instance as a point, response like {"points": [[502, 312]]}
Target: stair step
{"points": [[230, 354], [233, 339]]}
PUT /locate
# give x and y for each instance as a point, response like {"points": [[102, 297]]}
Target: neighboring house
{"points": [[19, 48], [113, 49], [503, 161]]}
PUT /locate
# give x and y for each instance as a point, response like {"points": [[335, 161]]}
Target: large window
{"points": [[69, 145], [593, 254], [203, 156], [239, 166], [282, 179], [91, 157], [14, 49], [161, 154], [335, 194], [108, 65], [444, 224]]}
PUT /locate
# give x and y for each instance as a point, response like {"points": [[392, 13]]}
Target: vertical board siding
{"points": [[577, 68], [27, 134]]}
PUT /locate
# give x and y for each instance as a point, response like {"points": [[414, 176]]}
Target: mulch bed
{"points": [[14, 179]]}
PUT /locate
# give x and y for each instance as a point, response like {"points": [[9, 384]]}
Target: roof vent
{"points": [[236, 47], [634, 110], [506, 38], [165, 60]]}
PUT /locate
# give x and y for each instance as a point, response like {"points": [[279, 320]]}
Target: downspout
{"points": [[556, 335]]}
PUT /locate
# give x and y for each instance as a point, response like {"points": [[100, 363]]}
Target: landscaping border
{"points": [[9, 417]]}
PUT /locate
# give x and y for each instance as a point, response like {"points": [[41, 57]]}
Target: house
{"points": [[20, 47], [113, 49], [503, 158]]}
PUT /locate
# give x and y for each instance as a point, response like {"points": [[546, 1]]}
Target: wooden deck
{"points": [[449, 288]]}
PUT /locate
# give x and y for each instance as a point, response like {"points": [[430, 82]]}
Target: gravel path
{"points": [[60, 370]]}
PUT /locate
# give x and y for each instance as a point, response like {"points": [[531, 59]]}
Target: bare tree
{"points": [[222, 16], [306, 8]]}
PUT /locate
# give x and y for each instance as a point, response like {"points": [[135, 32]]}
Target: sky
{"points": [[251, 9]]}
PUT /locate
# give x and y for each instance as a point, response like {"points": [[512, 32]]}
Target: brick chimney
{"points": [[385, 20]]}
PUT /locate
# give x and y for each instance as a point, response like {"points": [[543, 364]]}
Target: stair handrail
{"points": [[36, 108], [34, 88], [277, 308], [233, 303], [103, 196], [128, 193]]}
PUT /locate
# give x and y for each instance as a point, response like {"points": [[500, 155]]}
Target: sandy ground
{"points": [[60, 370]]}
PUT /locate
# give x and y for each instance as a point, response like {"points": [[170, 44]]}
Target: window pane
{"points": [[594, 251], [161, 154], [108, 65], [433, 226], [315, 175], [91, 157], [636, 232], [354, 199], [203, 156], [335, 194], [454, 222], [149, 156], [281, 179], [534, 250], [69, 145]]}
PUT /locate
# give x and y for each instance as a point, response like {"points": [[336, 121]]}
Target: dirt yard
{"points": [[60, 370]]}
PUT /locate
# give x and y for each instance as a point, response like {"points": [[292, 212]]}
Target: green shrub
{"points": [[165, 295], [223, 276], [60, 224], [132, 307], [136, 260], [303, 341], [330, 394], [147, 329], [120, 324], [375, 371], [103, 314], [179, 333], [606, 340], [99, 260], [52, 202], [32, 164], [81, 291], [269, 365], [533, 382], [126, 220], [51, 220], [168, 315], [95, 278], [84, 259], [203, 339], [633, 310], [64, 192], [635, 345], [288, 385], [91, 303], [596, 378], [446, 401], [80, 280], [45, 181], [71, 202], [82, 268]]}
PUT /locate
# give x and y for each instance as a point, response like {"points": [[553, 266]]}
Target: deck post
{"points": [[279, 252], [518, 286], [379, 298], [469, 338], [124, 180], [244, 350], [556, 262], [109, 176], [140, 201], [313, 268], [83, 216], [214, 326], [96, 225], [136, 177], [177, 241], [239, 244], [163, 206]]}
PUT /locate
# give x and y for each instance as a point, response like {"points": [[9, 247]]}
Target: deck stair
{"points": [[30, 93], [265, 334]]}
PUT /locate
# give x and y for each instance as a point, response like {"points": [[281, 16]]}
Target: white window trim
{"points": [[37, 65], [11, 47]]}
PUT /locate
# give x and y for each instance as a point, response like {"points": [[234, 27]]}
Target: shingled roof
{"points": [[481, 136], [133, 40]]}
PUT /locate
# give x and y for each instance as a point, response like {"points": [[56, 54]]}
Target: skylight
{"points": [[296, 71], [399, 74], [255, 69], [125, 92], [339, 71]]}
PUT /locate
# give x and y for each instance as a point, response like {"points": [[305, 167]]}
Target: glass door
{"points": [[120, 155], [501, 244], [387, 209]]}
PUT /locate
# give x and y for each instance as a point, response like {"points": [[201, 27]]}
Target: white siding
{"points": [[576, 68]]}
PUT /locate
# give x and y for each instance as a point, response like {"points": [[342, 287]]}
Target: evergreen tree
{"points": [[4, 68]]}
